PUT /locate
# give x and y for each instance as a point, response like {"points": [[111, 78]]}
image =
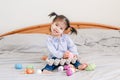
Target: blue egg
{"points": [[18, 66]]}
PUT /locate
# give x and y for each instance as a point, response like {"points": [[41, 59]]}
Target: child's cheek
{"points": [[53, 26], [60, 31]]}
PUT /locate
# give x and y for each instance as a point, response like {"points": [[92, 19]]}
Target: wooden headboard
{"points": [[45, 28]]}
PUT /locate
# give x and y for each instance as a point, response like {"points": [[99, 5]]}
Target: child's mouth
{"points": [[55, 31]]}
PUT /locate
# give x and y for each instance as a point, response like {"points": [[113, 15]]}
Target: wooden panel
{"points": [[45, 28]]}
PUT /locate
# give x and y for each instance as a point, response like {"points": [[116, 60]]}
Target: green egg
{"points": [[30, 67], [90, 67]]}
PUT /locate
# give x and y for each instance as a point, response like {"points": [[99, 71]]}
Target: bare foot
{"points": [[46, 72], [82, 66]]}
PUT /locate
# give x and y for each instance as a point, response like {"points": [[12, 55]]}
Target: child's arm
{"points": [[52, 49], [71, 46]]}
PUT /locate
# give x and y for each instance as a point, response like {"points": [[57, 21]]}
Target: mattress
{"points": [[108, 67], [102, 50]]}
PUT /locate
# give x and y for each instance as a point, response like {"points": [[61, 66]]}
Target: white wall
{"points": [[15, 14]]}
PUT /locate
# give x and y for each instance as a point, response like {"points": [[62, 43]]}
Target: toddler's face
{"points": [[57, 28]]}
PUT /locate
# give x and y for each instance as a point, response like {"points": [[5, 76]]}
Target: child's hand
{"points": [[44, 57], [66, 55], [75, 56]]}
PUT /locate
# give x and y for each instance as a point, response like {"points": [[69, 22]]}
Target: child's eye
{"points": [[61, 28], [56, 24]]}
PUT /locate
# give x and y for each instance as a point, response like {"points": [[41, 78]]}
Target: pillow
{"points": [[72, 36], [87, 36], [97, 40], [24, 43]]}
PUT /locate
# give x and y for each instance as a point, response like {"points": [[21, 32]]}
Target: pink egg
{"points": [[69, 72]]}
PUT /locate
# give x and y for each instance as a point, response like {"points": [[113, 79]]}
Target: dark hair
{"points": [[72, 29]]}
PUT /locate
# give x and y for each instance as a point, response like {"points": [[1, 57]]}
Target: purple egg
{"points": [[66, 67], [69, 72]]}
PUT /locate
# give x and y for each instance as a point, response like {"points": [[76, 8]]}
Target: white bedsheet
{"points": [[108, 67], [102, 50]]}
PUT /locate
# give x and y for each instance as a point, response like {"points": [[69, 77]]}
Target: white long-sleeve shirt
{"points": [[58, 46]]}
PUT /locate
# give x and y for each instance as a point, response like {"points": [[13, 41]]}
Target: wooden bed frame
{"points": [[45, 28]]}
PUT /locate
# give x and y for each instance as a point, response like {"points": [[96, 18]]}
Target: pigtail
{"points": [[52, 14], [73, 30]]}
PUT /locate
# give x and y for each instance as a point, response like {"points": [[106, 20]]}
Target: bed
{"points": [[96, 43]]}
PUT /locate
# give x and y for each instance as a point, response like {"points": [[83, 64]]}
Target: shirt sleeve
{"points": [[71, 46], [52, 49]]}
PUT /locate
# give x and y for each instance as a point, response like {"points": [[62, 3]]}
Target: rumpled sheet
{"points": [[99, 47], [108, 67]]}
